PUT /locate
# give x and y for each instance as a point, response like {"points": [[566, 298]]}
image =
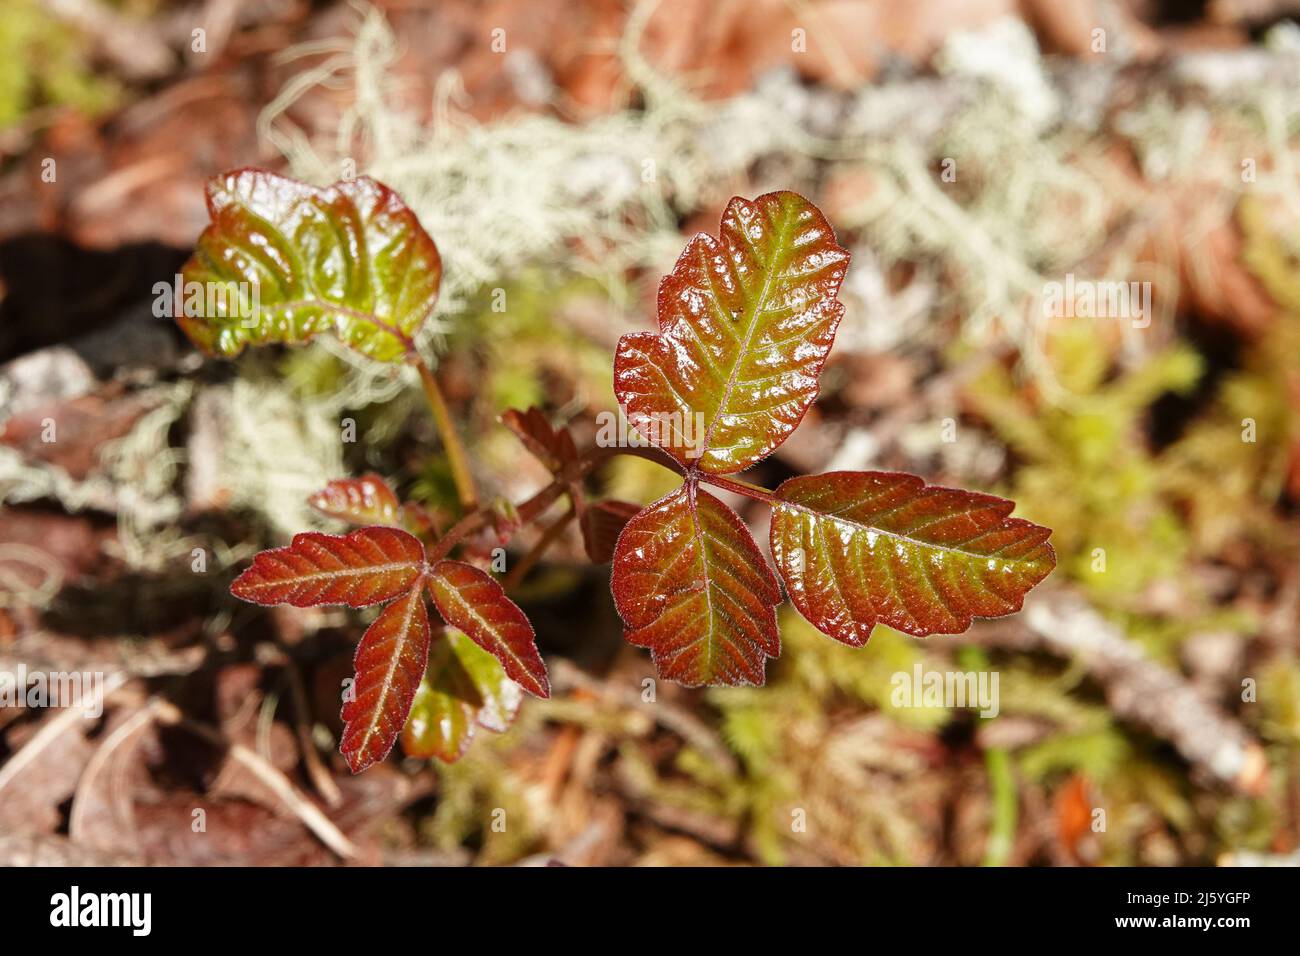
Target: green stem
{"points": [[1002, 783], [456, 457]]}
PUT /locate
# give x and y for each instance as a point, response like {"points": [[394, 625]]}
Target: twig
{"points": [[316, 770], [668, 715], [536, 506], [54, 728], [1137, 688], [548, 538], [133, 725], [306, 811]]}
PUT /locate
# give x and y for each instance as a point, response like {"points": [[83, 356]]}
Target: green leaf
{"points": [[745, 324], [464, 687], [283, 261]]}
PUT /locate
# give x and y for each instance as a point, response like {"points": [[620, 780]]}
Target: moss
{"points": [[42, 63], [1271, 254], [1231, 468], [1086, 468], [482, 803], [514, 330]]}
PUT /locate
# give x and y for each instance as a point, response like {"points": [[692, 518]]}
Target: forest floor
{"points": [[977, 159]]}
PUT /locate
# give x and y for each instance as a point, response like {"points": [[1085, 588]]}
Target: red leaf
{"points": [[602, 523], [366, 501], [552, 446], [691, 585], [367, 566], [745, 324], [472, 600], [390, 662], [857, 548]]}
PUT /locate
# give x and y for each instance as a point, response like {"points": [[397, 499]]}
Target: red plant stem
{"points": [[451, 443], [456, 534], [548, 538], [565, 482], [757, 492], [533, 508]]}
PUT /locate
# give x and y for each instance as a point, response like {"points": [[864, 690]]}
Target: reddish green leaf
{"points": [[745, 325], [390, 662], [464, 687], [601, 524], [691, 585], [350, 259], [504, 518], [367, 566], [857, 548], [472, 600], [366, 501], [552, 446]]}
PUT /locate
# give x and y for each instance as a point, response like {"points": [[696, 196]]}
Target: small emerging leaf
{"points": [[602, 523], [691, 585], [367, 566], [504, 519], [552, 446], [464, 687], [390, 662], [745, 324], [283, 261], [472, 600], [366, 501], [860, 548]]}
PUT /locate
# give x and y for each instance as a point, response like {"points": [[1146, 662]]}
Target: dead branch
{"points": [[1137, 688]]}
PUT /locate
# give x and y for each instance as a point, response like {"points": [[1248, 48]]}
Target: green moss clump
{"points": [[1087, 470], [43, 63]]}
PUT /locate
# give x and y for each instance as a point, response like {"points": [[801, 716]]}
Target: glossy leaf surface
{"points": [[860, 548], [552, 446], [463, 688], [601, 525], [692, 586], [745, 324], [364, 567], [366, 501], [471, 600], [390, 663], [350, 259]]}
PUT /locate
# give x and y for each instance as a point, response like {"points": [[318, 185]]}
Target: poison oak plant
{"points": [[746, 321]]}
